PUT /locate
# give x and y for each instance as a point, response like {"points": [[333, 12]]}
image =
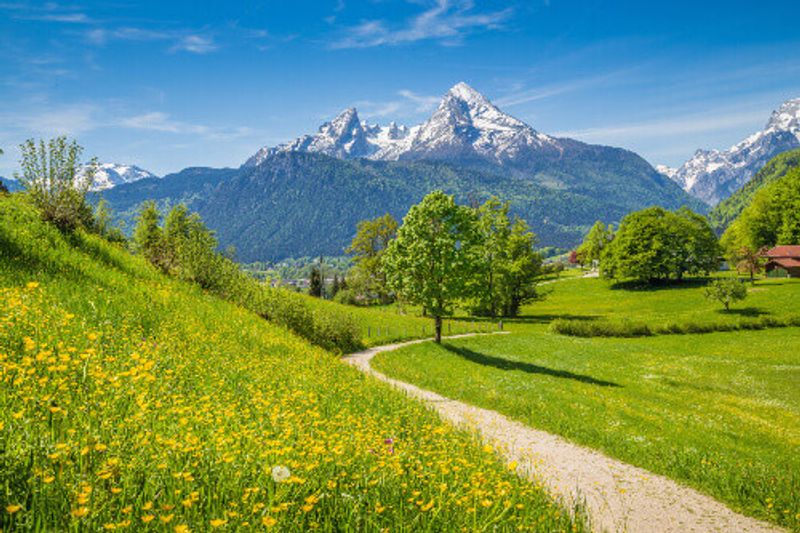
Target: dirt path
{"points": [[617, 496]]}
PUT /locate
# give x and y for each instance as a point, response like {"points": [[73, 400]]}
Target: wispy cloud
{"points": [[668, 127], [182, 40], [423, 102], [162, 122], [447, 21], [196, 44], [408, 104], [522, 95]]}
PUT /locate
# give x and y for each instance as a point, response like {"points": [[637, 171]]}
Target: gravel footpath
{"points": [[616, 496]]}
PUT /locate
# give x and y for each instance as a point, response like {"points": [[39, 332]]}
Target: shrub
{"points": [[54, 178], [726, 291]]}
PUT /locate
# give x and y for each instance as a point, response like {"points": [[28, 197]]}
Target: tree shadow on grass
{"points": [[744, 311], [544, 318], [505, 364], [660, 285]]}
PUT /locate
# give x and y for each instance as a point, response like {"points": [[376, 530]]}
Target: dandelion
{"points": [[280, 474], [218, 522], [32, 285], [182, 528], [80, 512], [268, 521], [11, 509]]}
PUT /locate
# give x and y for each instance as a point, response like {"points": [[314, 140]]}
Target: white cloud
{"points": [[668, 127], [196, 44], [447, 21], [162, 122], [423, 102]]}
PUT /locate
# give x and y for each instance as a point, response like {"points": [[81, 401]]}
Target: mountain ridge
{"points": [[713, 175]]}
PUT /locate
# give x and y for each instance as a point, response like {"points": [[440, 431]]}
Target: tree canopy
{"points": [[655, 244], [432, 259]]}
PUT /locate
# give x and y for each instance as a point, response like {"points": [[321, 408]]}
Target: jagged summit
{"points": [[464, 125], [713, 175], [786, 117]]}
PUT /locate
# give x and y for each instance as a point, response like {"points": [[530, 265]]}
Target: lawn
{"points": [[719, 411], [129, 400]]}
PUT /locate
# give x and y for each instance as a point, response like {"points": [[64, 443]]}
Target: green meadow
{"points": [[719, 411]]}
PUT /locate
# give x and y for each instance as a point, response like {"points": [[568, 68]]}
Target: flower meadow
{"points": [[129, 400]]}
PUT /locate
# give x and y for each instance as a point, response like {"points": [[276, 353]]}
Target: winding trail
{"points": [[617, 496]]}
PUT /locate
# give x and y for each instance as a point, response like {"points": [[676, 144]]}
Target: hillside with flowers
{"points": [[132, 400]]}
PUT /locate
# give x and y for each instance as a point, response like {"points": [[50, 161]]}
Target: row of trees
{"points": [[445, 254]]}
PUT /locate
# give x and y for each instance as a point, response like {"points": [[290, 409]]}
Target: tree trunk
{"points": [[438, 322]]}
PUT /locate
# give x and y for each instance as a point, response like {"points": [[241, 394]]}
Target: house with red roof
{"points": [[783, 261]]}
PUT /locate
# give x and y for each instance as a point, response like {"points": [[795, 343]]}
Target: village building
{"points": [[783, 261]]}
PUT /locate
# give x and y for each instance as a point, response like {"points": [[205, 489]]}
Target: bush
{"points": [[607, 328], [55, 180], [603, 328], [347, 297], [726, 291]]}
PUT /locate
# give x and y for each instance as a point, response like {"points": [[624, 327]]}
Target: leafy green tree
{"points": [[433, 257], [698, 247], [54, 178], [506, 263], [596, 240], [726, 291], [147, 235], [103, 225], [367, 248], [521, 268], [655, 244], [493, 231], [315, 282]]}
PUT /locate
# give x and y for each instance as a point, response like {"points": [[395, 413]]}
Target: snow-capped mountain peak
{"points": [[110, 175], [465, 125], [786, 117], [713, 175]]}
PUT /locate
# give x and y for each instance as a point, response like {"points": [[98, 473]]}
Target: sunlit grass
{"points": [[720, 411], [132, 401]]}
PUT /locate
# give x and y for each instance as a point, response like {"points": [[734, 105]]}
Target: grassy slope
{"points": [[726, 211], [131, 400], [719, 411]]}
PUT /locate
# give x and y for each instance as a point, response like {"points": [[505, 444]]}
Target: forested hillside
{"points": [[727, 210]]}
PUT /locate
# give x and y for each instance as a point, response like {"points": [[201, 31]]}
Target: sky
{"points": [[171, 84]]}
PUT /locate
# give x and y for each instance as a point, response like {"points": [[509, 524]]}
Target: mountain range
{"points": [[306, 196], [713, 175]]}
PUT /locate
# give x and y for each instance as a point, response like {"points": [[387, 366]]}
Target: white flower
{"points": [[280, 474]]}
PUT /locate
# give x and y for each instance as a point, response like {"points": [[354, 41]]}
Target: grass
{"points": [[384, 325], [719, 411], [129, 400]]}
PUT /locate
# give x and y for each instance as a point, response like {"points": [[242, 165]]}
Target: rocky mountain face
{"points": [[713, 175], [466, 126]]}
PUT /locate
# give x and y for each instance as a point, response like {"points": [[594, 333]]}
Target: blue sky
{"points": [[166, 85]]}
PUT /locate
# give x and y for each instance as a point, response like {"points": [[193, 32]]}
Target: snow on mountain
{"points": [[344, 137], [110, 175], [667, 171], [466, 124], [713, 175]]}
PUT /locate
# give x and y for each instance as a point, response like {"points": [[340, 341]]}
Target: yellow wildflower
{"points": [[13, 508]]}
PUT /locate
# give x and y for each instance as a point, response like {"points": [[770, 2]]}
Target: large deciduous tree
{"points": [[506, 263], [433, 257], [655, 244]]}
